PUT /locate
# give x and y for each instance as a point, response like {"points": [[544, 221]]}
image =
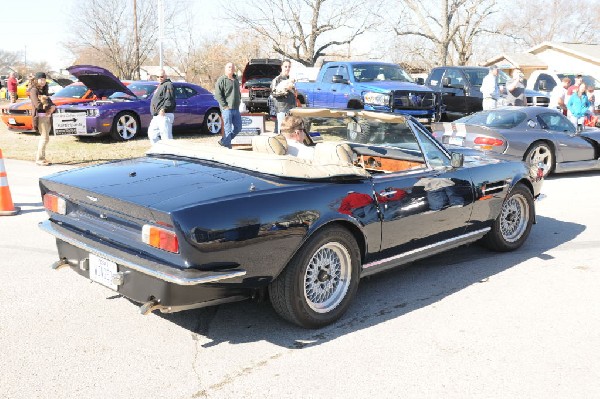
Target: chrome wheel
{"points": [[327, 277], [541, 153], [514, 218], [212, 122], [125, 127]]}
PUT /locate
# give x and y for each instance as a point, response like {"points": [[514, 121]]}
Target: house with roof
{"points": [[150, 72], [555, 56]]}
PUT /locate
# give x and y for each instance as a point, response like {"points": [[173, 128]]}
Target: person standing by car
{"points": [[162, 108], [42, 109], [515, 89], [11, 87], [229, 96], [294, 132], [490, 89], [557, 97], [283, 91], [579, 106]]}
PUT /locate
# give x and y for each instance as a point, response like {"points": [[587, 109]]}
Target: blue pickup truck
{"points": [[376, 86]]}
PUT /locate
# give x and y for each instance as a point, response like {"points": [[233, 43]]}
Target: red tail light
{"points": [[488, 141], [56, 204], [160, 238]]}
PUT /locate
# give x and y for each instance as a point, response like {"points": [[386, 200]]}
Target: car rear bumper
{"points": [[144, 279]]}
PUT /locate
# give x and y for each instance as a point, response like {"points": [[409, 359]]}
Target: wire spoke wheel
{"points": [[327, 277], [514, 217]]}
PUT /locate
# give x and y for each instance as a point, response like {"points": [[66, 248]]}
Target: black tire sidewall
{"points": [[297, 269]]}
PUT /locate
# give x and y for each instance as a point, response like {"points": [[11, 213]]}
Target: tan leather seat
{"points": [[332, 153], [270, 144]]}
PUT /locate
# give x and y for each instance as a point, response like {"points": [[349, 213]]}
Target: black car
{"points": [[256, 82], [460, 88], [193, 225]]}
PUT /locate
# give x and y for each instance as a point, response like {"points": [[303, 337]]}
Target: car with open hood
{"points": [[19, 116], [256, 82], [195, 224], [123, 111]]}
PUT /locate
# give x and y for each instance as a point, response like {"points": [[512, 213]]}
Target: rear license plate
{"points": [[102, 270], [456, 140], [12, 121]]}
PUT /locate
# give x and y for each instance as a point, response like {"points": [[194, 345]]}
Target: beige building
{"points": [[554, 56]]}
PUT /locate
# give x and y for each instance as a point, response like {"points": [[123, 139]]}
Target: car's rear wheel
{"points": [[213, 122], [317, 286], [511, 228], [126, 126], [540, 152]]}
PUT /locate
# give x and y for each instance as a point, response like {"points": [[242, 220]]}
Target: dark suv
{"points": [[256, 82], [460, 87]]}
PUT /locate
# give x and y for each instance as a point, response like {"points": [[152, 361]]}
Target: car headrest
{"points": [[270, 144], [331, 153]]}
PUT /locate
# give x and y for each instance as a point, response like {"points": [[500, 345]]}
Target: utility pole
{"points": [[137, 41]]}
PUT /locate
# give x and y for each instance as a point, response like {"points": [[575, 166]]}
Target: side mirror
{"points": [[420, 81], [338, 79], [543, 85], [457, 159]]}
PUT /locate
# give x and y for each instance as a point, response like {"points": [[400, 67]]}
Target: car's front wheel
{"points": [[126, 126], [540, 152], [317, 286], [213, 122], [511, 228]]}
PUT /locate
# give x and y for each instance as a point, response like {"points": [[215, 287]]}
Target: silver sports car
{"points": [[535, 134]]}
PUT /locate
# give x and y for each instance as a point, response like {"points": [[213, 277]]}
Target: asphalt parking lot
{"points": [[468, 323]]}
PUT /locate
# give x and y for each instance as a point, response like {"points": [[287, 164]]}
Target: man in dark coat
{"points": [[162, 108]]}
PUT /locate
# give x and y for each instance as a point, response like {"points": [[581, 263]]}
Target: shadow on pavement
{"points": [[382, 297]]}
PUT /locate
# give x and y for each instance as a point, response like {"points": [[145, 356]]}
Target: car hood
{"points": [[256, 71], [99, 80], [389, 85]]}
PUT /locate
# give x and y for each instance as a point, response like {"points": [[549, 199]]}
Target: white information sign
{"points": [[68, 124], [252, 125]]}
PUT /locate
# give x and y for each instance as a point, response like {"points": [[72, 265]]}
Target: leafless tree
{"points": [[531, 23], [105, 29], [9, 58], [444, 24], [305, 30]]}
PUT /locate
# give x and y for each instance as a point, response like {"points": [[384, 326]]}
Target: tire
{"points": [[540, 152], [126, 126], [317, 286], [512, 227], [212, 122]]}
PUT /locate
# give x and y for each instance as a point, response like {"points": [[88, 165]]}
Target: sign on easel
{"points": [[252, 125], [69, 123]]}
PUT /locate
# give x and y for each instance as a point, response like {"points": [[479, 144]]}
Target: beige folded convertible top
{"points": [[278, 165]]}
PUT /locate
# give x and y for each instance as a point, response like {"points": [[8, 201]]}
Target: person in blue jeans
{"points": [[227, 93]]}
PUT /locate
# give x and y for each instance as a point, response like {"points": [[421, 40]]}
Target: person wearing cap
{"points": [[292, 128], [162, 108], [515, 89], [42, 109], [490, 89]]}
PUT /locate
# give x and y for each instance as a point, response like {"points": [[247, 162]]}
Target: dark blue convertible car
{"points": [[123, 110], [191, 226]]}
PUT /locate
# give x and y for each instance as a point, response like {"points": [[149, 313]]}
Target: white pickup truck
{"points": [[544, 81]]}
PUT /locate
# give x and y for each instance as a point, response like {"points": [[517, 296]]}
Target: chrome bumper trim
{"points": [[168, 274]]}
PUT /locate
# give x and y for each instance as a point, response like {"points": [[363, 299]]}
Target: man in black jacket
{"points": [[162, 107]]}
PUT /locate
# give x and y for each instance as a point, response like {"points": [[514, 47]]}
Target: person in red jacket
{"points": [[11, 84]]}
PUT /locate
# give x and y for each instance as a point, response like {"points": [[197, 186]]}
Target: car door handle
{"points": [[333, 90]]}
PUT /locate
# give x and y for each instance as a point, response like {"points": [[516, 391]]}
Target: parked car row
{"points": [[120, 109]]}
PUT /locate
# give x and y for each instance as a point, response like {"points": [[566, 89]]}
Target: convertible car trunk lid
{"points": [[164, 184]]}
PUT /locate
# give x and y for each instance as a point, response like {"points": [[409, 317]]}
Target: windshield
{"points": [[370, 72], [476, 76], [589, 81], [502, 119], [141, 90], [71, 91]]}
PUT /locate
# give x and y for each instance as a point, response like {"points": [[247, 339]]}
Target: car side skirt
{"points": [[423, 252]]}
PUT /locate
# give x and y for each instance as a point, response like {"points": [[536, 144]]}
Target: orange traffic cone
{"points": [[7, 208]]}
